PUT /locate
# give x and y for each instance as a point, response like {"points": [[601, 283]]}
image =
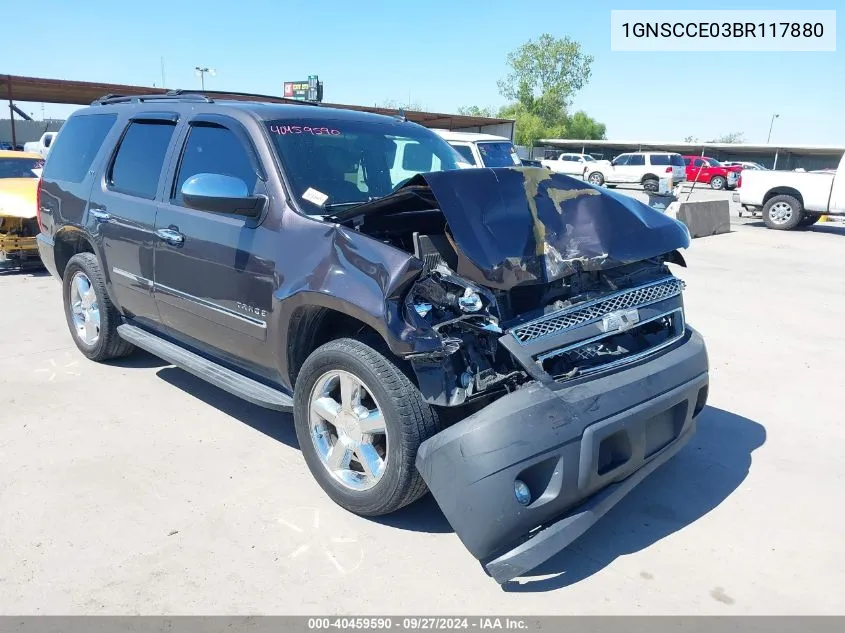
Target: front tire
{"points": [[91, 316], [360, 421], [596, 178], [783, 213], [717, 182]]}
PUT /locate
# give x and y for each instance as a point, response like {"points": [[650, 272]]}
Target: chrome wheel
{"points": [[348, 430], [780, 213], [595, 179], [85, 311]]}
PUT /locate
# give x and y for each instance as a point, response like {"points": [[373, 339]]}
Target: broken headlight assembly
{"points": [[451, 305], [465, 318]]}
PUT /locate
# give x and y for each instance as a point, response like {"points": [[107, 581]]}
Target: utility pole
{"points": [[163, 82]]}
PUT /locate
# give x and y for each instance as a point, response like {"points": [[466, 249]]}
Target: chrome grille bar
{"points": [[584, 313]]}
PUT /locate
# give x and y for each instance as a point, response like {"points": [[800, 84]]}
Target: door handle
{"points": [[99, 215], [170, 236]]}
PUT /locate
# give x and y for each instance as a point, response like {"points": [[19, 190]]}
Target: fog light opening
{"points": [[521, 492]]}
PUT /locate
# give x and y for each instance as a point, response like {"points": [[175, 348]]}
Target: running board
{"points": [[219, 376]]}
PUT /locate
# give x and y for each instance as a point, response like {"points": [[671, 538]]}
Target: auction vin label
{"points": [[723, 30], [417, 624]]}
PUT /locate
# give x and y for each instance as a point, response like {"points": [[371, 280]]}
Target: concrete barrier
{"points": [[702, 218], [711, 217]]}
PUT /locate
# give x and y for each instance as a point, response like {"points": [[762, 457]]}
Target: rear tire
{"points": [[783, 213], [717, 182], [91, 316], [407, 421]]}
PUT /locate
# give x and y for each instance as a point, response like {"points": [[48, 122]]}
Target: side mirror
{"points": [[220, 194]]}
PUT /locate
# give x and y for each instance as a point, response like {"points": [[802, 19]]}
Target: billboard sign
{"points": [[310, 90]]}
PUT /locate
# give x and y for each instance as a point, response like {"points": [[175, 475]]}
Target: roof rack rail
{"points": [[226, 93], [172, 95], [193, 95]]}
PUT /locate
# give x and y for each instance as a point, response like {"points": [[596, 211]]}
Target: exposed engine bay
{"points": [[536, 249], [17, 241]]}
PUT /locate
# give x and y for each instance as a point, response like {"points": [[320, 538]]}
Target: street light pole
{"points": [[774, 116], [200, 72]]}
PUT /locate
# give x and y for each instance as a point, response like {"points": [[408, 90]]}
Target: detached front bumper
{"points": [[580, 447]]}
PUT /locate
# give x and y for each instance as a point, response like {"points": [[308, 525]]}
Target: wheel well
{"points": [[648, 177], [718, 176], [312, 326], [783, 191], [68, 244]]}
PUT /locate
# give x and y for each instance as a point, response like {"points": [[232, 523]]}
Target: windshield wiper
{"points": [[345, 205]]}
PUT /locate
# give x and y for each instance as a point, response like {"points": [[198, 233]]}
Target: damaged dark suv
{"points": [[511, 339]]}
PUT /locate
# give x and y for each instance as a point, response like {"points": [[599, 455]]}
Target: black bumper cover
{"points": [[580, 447]]}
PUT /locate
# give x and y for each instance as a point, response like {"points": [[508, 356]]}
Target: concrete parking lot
{"points": [[133, 487]]}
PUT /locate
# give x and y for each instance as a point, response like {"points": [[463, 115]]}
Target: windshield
{"points": [[498, 154], [20, 167], [339, 162]]}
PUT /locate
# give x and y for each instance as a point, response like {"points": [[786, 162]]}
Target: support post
{"points": [[11, 110]]}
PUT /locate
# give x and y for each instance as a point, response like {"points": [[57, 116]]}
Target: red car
{"points": [[712, 172]]}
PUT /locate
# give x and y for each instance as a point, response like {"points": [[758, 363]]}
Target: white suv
{"points": [[482, 150], [642, 168]]}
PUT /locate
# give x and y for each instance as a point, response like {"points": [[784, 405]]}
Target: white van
{"points": [[482, 150]]}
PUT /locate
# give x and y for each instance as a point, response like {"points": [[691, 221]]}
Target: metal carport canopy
{"points": [[37, 89], [688, 148]]}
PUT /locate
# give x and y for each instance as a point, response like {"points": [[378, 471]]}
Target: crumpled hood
{"points": [[528, 225], [18, 197]]}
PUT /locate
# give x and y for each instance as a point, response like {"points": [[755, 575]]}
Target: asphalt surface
{"points": [[133, 487]]}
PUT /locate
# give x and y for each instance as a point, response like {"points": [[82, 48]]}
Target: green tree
{"points": [[393, 104], [733, 137], [477, 111], [545, 75], [579, 125]]}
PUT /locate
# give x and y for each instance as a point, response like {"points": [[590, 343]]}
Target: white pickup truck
{"points": [[570, 164], [42, 145], [792, 199]]}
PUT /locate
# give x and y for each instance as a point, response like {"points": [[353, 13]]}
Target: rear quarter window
{"points": [[76, 146], [660, 159]]}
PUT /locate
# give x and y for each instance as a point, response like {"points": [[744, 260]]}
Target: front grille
{"points": [[584, 313], [615, 348]]}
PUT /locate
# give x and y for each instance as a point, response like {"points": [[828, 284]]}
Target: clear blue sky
{"points": [[443, 54]]}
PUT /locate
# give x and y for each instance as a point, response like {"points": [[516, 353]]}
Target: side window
{"points": [[213, 149], [636, 160], [417, 158], [77, 145], [699, 163], [687, 161], [140, 157], [466, 153], [622, 159], [659, 159], [567, 158]]}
